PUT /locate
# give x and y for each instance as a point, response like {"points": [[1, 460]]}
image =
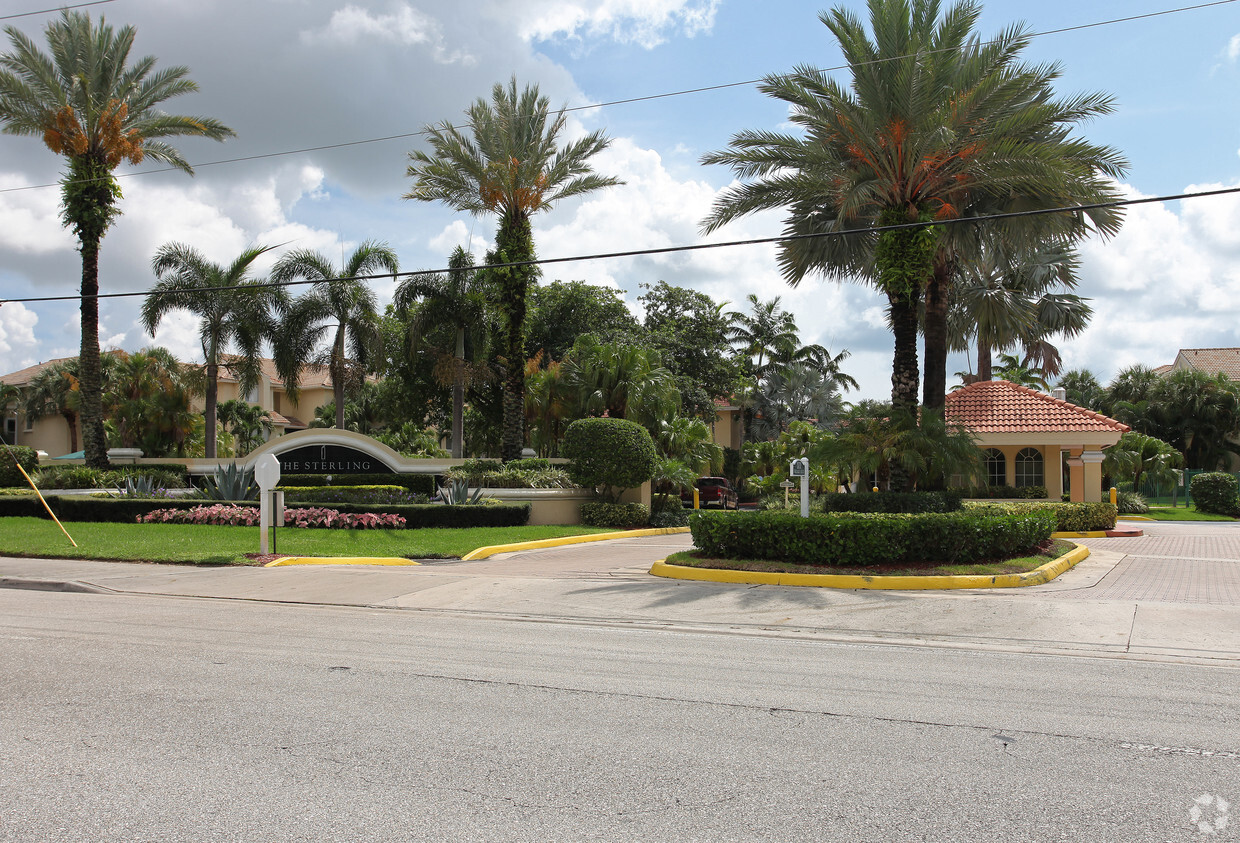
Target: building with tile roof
{"points": [[1027, 435], [1208, 360]]}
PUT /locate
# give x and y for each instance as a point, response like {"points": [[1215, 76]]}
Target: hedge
{"points": [[620, 515], [1215, 492], [1070, 517], [909, 502], [28, 458], [378, 494], [127, 510], [422, 484], [1008, 492], [859, 540]]}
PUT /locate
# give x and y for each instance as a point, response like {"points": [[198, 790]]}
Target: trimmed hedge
{"points": [[351, 494], [1008, 492], [1070, 517], [1215, 492], [858, 540], [622, 515], [422, 484], [27, 457], [127, 510], [908, 502], [614, 453]]}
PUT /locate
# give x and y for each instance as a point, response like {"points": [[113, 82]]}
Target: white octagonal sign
{"points": [[267, 472]]}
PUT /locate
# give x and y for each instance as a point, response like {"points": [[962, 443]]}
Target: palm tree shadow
{"points": [[662, 593]]}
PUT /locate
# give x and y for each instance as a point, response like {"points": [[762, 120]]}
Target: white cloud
{"points": [[404, 25], [17, 341], [647, 23], [1233, 48], [30, 217]]}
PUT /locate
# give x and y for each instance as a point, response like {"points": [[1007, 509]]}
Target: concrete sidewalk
{"points": [[1133, 598]]}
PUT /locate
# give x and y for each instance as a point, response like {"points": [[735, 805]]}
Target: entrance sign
{"points": [[331, 459], [800, 468], [267, 473]]}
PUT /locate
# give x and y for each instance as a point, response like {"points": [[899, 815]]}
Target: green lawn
{"points": [[1166, 513], [211, 545]]}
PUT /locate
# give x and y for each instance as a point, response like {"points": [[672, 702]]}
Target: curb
{"points": [[340, 560], [1129, 533], [484, 552], [1038, 576]]}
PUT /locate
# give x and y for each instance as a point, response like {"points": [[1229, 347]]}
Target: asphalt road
{"points": [[132, 718]]}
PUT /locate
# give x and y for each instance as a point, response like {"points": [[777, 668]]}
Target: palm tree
{"points": [[234, 308], [457, 301], [56, 391], [88, 104], [148, 401], [551, 402], [621, 381], [768, 334], [247, 422], [1081, 387], [935, 120], [512, 167], [338, 299]]}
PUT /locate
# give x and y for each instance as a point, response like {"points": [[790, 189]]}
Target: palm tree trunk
{"points": [[211, 412], [514, 242], [72, 421], [904, 372], [337, 373], [934, 393], [985, 370], [89, 367], [458, 397]]}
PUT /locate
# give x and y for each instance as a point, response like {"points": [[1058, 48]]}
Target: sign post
{"points": [[267, 474], [800, 468]]}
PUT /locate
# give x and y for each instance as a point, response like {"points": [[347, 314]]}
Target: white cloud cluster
{"points": [[403, 25], [17, 341], [647, 23]]}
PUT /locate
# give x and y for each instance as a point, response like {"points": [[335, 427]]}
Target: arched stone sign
{"points": [[331, 451]]}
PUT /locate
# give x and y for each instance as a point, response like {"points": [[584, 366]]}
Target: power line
{"points": [[57, 9], [630, 100], [663, 250]]}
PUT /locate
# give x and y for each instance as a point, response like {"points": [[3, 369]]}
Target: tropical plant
{"points": [[1013, 369], [229, 483], [609, 455], [551, 402], [457, 301], [456, 493], [249, 424], [1137, 457], [513, 167], [148, 401], [621, 381], [340, 303], [56, 391], [689, 442], [412, 440], [1081, 387], [234, 308], [936, 124], [87, 103]]}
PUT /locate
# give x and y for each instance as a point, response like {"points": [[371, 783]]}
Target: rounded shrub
{"points": [[20, 455], [609, 454], [621, 515], [1216, 492]]}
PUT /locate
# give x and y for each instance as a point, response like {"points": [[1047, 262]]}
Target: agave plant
{"points": [[229, 483], [456, 493]]}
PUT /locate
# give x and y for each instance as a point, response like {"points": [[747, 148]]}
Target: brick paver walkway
{"points": [[1171, 563]]}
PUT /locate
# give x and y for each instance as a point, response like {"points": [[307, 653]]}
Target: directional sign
{"points": [[267, 472]]}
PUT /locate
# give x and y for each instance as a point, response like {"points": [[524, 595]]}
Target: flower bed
{"points": [[247, 516]]}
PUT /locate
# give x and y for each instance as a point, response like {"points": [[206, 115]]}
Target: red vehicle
{"points": [[712, 491]]}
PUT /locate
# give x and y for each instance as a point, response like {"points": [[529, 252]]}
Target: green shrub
{"points": [[1070, 517], [863, 539], [670, 518], [379, 494], [1215, 492], [528, 464], [72, 477], [611, 454], [947, 501], [1007, 492], [422, 484], [511, 478], [13, 456], [127, 510], [1130, 503], [622, 515]]}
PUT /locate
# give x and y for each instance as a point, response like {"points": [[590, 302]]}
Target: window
{"points": [[996, 467], [10, 430], [1029, 468]]}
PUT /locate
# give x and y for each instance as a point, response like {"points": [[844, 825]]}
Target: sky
{"points": [[289, 75]]}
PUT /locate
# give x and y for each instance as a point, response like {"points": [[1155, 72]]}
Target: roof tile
{"points": [[1005, 407]]}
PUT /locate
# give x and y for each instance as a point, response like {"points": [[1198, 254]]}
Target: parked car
{"points": [[712, 491]]}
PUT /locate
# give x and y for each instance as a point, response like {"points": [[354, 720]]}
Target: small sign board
{"points": [[267, 472], [799, 468]]}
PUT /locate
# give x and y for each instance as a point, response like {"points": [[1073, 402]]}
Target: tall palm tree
{"points": [[510, 165], [338, 300], [90, 105], [56, 391], [935, 120], [766, 333], [457, 301], [234, 307]]}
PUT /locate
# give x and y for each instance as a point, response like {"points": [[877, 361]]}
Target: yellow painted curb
{"points": [[1134, 518], [1038, 576], [340, 560], [484, 552], [1090, 534]]}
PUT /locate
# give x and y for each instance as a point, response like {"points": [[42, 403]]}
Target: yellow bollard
{"points": [[697, 503], [875, 489], [1114, 496]]}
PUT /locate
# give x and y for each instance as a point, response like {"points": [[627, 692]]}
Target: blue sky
{"points": [[289, 74]]}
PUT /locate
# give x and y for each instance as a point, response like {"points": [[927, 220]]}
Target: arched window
{"points": [[996, 467], [1029, 470]]}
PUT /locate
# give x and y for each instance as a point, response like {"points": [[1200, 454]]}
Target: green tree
{"points": [[1137, 457], [1013, 369], [689, 330], [621, 381], [935, 124], [511, 166], [148, 402], [339, 303], [458, 302], [1081, 387], [561, 311], [56, 390], [90, 105], [248, 423], [234, 308]]}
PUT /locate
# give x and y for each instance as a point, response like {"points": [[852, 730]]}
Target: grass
{"points": [[1166, 513], [199, 544], [1016, 565]]}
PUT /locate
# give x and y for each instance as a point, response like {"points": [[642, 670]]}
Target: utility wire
{"points": [[449, 126], [57, 9], [663, 250]]}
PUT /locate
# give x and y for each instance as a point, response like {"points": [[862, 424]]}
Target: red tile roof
{"points": [[1004, 407], [1212, 360]]}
